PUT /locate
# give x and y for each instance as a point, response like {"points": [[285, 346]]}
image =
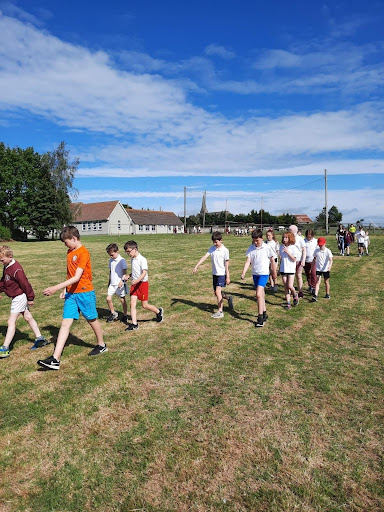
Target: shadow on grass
{"points": [[72, 340]]}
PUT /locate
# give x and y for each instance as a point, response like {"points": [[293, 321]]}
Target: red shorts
{"points": [[140, 290]]}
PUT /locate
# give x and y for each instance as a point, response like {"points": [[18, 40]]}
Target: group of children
{"points": [[295, 253], [346, 236], [78, 294]]}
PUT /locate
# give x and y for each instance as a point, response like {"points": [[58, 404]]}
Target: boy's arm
{"points": [[227, 276], [200, 262], [330, 263], [313, 263], [303, 256], [25, 285], [246, 267], [75, 279], [143, 274]]}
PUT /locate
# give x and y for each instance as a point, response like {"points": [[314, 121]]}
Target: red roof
{"points": [[303, 219], [87, 212]]}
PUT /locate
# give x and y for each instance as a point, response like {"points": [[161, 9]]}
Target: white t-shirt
{"points": [[323, 259], [360, 236], [274, 245], [299, 243], [116, 268], [311, 246], [260, 258], [219, 255], [139, 264], [286, 264]]}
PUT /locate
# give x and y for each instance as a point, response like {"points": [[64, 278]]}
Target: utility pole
{"points": [[326, 201], [226, 213], [261, 214], [185, 209]]}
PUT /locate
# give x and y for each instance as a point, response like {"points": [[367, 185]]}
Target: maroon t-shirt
{"points": [[14, 282]]}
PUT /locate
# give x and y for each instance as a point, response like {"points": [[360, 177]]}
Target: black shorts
{"points": [[360, 244], [325, 274], [287, 273]]}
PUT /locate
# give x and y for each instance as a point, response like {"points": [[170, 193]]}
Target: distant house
{"points": [[303, 219], [149, 221], [111, 218]]}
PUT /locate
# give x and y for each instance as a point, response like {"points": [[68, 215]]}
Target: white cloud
{"points": [[220, 51]]}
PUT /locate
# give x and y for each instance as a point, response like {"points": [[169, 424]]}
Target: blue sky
{"points": [[249, 101]]}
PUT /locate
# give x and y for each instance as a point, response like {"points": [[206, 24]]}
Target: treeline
{"points": [[35, 191], [253, 217]]}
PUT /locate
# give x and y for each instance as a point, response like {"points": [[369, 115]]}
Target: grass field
{"points": [[198, 414]]}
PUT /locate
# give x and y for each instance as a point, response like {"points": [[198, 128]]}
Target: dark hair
{"points": [[112, 248], [257, 234], [216, 235], [270, 230], [309, 232], [131, 244], [69, 232]]}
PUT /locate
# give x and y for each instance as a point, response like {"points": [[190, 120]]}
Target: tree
{"points": [[62, 173], [334, 216]]}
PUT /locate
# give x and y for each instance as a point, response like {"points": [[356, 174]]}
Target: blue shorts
{"points": [[218, 281], [80, 302], [260, 280]]}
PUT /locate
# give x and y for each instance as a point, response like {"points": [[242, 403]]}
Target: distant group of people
{"points": [[295, 253], [346, 236]]}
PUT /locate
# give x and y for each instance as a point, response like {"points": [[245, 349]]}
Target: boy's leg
{"points": [[327, 287], [95, 324], [150, 307], [110, 304], [62, 337], [299, 278], [318, 281], [125, 307], [32, 323], [260, 294], [219, 298], [11, 329], [133, 309]]}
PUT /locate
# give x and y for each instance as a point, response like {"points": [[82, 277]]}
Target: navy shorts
{"points": [[218, 281], [324, 274]]}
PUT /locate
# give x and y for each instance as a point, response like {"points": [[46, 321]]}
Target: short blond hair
{"points": [[5, 250]]}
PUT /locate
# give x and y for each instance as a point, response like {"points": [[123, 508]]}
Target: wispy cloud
{"points": [[220, 51]]}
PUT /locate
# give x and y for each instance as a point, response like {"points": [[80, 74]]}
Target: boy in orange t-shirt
{"points": [[79, 297]]}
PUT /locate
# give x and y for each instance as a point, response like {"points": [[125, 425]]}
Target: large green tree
{"points": [[334, 216]]}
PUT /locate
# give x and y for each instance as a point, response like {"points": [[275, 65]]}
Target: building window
{"points": [[147, 228], [118, 225], [100, 226], [94, 226], [84, 227], [153, 227], [89, 226], [140, 227]]}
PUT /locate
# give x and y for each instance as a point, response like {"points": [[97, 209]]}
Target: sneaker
{"points": [[260, 321], [301, 295], [98, 350], [314, 298], [160, 315], [4, 352], [295, 300], [275, 288], [124, 319], [132, 327], [312, 291], [113, 317], [230, 302], [51, 363], [265, 316], [327, 296], [39, 342], [309, 289], [218, 314], [288, 306]]}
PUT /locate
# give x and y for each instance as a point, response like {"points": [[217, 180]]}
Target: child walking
{"points": [[117, 269], [139, 285], [79, 296], [274, 244], [322, 260], [289, 256], [15, 285], [260, 256], [220, 271]]}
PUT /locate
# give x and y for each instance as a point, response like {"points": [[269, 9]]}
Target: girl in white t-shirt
{"points": [[289, 254], [274, 245], [322, 261]]}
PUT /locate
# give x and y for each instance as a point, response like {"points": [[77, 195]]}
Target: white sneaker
{"points": [[218, 314]]}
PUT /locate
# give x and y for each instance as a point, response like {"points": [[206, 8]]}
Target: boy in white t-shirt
{"points": [[366, 243], [220, 271], [139, 285], [260, 256], [117, 269], [322, 260]]}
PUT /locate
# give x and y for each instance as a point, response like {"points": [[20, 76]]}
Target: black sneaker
{"points": [[230, 302], [160, 315], [124, 319], [113, 317], [98, 350], [265, 316], [51, 363], [295, 300], [314, 298], [132, 327], [327, 296], [39, 342], [260, 321]]}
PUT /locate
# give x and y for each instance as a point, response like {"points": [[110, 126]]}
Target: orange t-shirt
{"points": [[79, 258]]}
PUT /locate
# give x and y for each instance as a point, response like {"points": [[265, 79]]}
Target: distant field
{"points": [[198, 414]]}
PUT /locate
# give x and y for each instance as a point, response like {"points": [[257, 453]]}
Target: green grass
{"points": [[198, 414]]}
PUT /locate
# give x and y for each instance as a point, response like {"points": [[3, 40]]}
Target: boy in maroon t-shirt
{"points": [[16, 285]]}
